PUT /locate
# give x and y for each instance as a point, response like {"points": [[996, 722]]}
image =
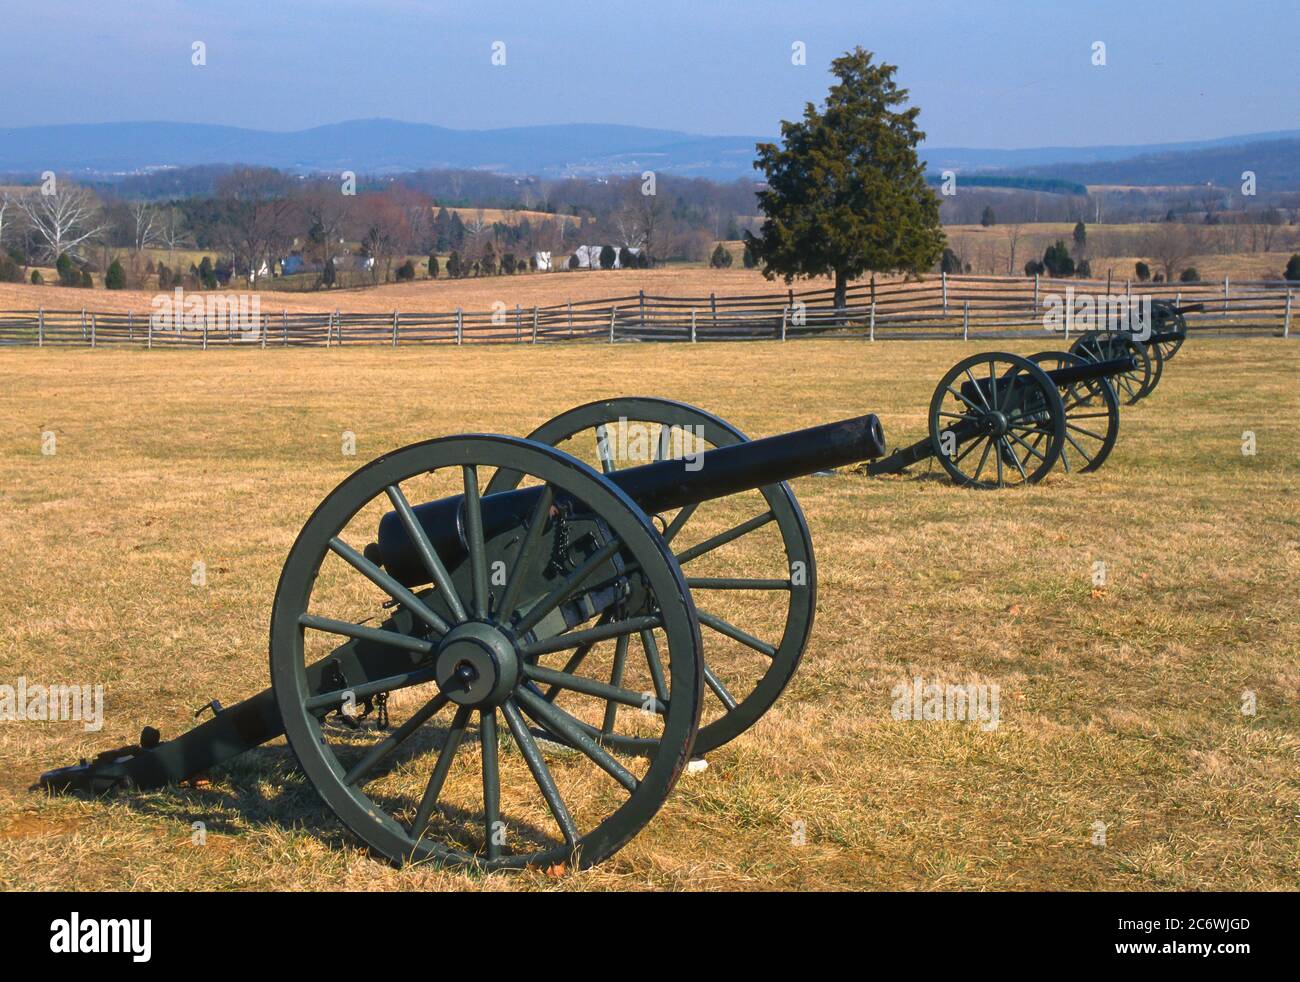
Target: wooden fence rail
{"points": [[969, 307]]}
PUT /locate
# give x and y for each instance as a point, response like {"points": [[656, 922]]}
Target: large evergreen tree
{"points": [[845, 192]]}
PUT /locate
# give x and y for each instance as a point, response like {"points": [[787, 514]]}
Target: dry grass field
{"points": [[1120, 705]]}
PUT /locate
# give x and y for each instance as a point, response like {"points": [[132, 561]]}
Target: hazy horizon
{"points": [[1003, 76]]}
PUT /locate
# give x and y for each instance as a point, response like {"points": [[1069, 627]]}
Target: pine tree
{"points": [[846, 193]]}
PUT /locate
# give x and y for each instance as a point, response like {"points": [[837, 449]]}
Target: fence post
{"points": [[396, 315], [965, 321], [519, 323], [534, 325], [266, 328], [83, 323], [1286, 324], [1225, 297], [338, 328], [570, 318], [872, 328], [460, 325], [1109, 273], [1128, 293], [205, 333], [785, 313], [40, 328], [692, 324], [613, 313], [642, 296], [713, 306], [1069, 314], [284, 317], [1035, 304], [130, 325], [329, 330], [943, 277], [148, 343]]}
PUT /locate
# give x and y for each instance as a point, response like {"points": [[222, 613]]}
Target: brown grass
{"points": [[1120, 707]]}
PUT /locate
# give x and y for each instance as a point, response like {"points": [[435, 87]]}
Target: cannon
{"points": [[1015, 417], [534, 589], [1150, 349]]}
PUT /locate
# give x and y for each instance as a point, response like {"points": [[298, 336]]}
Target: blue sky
{"points": [[1005, 74]]}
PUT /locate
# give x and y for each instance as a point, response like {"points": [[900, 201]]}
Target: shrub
{"points": [[10, 271], [508, 263], [432, 266], [406, 272], [746, 258], [115, 278], [988, 218], [1190, 275], [37, 278], [1143, 271], [87, 281], [69, 275], [573, 262], [607, 257], [1057, 261], [1293, 268], [1084, 269], [1034, 268]]}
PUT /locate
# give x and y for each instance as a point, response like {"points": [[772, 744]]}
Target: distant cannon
{"points": [[999, 419]]}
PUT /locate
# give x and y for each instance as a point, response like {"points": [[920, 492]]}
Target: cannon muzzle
{"points": [[657, 487]]}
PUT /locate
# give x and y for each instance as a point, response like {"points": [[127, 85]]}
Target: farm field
{"points": [[1120, 704]]}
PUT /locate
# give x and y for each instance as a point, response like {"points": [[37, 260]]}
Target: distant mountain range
{"points": [[385, 146]]}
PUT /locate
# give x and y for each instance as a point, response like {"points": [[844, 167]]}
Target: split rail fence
{"points": [[943, 307]]}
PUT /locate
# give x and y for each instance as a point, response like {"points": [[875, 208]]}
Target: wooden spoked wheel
{"points": [[1133, 385], [445, 785], [996, 420], [1091, 415], [756, 619]]}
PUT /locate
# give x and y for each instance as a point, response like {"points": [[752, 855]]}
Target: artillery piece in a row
{"points": [[535, 590]]}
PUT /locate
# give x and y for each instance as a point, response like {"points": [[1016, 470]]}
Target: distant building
{"points": [[542, 262]]}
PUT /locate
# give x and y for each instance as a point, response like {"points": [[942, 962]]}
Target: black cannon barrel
{"points": [[1093, 370], [661, 486]]}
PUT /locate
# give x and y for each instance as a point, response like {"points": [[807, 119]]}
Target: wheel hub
{"points": [[995, 423], [476, 665]]}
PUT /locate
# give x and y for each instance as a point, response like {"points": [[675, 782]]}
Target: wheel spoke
{"points": [[654, 664], [1076, 446], [362, 633], [1015, 459], [1080, 429], [437, 570], [988, 445], [594, 687], [567, 587], [335, 698], [572, 664], [602, 449], [389, 585], [474, 535], [391, 742], [722, 538], [1021, 441], [980, 410], [734, 583], [541, 773], [523, 559], [718, 689], [615, 680], [736, 634], [978, 391], [562, 642], [440, 770], [487, 734], [680, 519], [569, 728]]}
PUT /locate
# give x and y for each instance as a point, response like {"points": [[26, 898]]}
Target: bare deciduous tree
{"points": [[1171, 245], [63, 222]]}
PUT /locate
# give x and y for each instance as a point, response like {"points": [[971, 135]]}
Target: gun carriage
{"points": [[529, 589]]}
